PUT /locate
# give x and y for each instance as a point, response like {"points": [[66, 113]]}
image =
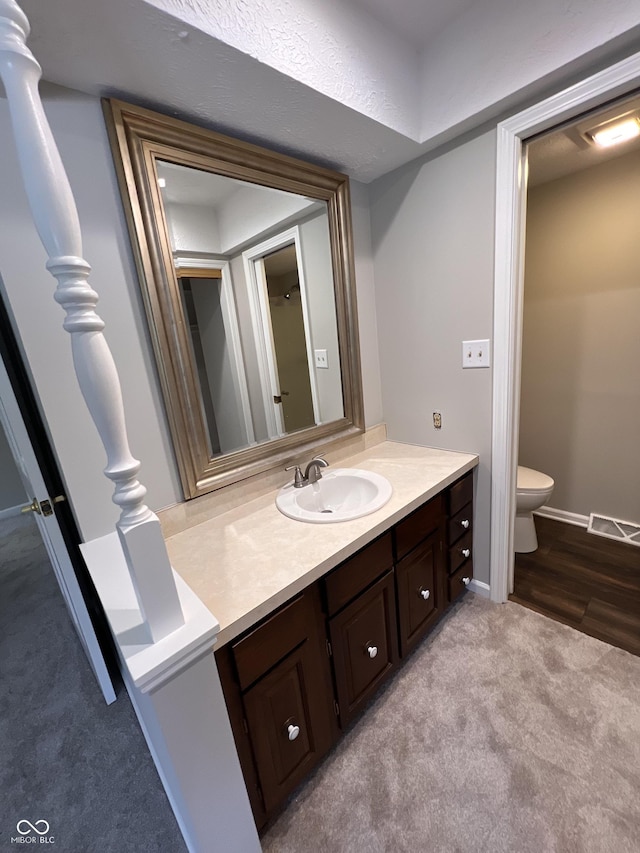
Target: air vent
{"points": [[614, 528]]}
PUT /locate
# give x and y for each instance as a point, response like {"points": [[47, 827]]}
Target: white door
{"points": [[18, 438]]}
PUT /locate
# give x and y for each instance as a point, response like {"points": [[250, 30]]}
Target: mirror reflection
{"points": [[255, 277], [245, 258]]}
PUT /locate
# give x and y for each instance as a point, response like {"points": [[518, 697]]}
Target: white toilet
{"points": [[533, 490]]}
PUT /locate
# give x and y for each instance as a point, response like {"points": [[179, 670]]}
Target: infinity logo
{"points": [[33, 827]]}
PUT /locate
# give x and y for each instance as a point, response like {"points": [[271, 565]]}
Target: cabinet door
{"points": [[365, 645], [419, 578], [290, 725]]}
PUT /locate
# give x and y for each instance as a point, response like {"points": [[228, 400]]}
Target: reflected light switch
{"points": [[321, 358]]}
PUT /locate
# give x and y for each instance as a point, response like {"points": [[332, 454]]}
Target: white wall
{"points": [[580, 407], [78, 126], [432, 231], [12, 491]]}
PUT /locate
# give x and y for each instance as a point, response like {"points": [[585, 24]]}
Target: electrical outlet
{"points": [[321, 358], [476, 353], [437, 420]]}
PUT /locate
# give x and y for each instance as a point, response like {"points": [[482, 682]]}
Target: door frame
{"points": [[263, 332], [510, 221]]}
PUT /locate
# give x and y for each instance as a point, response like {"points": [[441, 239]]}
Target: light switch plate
{"points": [[321, 358], [476, 353]]}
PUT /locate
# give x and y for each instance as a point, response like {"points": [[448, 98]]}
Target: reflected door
{"points": [[289, 339]]}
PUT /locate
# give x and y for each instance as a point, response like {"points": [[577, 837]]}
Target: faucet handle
{"points": [[298, 480]]}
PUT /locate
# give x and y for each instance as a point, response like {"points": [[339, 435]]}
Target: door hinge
{"points": [[336, 708], [329, 649], [245, 726]]}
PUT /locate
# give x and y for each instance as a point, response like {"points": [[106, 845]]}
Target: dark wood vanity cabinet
{"points": [[360, 605], [293, 681], [459, 501], [420, 572], [364, 646], [279, 694]]}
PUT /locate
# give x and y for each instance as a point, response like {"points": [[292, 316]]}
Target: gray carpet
{"points": [[504, 732], [66, 757]]}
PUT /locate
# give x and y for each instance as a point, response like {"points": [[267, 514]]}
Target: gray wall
{"points": [[580, 409], [432, 231], [12, 491]]}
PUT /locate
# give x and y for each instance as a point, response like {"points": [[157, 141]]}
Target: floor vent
{"points": [[613, 528]]}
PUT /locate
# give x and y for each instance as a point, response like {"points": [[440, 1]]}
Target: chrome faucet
{"points": [[311, 474]]}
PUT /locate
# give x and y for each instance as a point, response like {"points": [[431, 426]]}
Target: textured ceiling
{"points": [[363, 86]]}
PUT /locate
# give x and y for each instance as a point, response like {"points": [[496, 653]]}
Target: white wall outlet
{"points": [[437, 420], [476, 353], [321, 358]]}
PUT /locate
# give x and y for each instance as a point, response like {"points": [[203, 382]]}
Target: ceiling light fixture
{"points": [[615, 132]]}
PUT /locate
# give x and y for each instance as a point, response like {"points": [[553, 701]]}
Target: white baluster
{"points": [[56, 218]]}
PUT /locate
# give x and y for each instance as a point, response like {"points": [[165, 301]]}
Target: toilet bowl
{"points": [[533, 490]]}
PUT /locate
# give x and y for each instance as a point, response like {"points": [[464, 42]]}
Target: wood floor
{"points": [[583, 580]]}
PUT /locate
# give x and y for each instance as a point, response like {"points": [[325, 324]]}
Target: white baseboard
{"points": [[480, 588], [563, 515], [10, 512]]}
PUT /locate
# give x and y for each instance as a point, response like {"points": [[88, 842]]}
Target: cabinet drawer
{"points": [[458, 581], [460, 493], [461, 552], [417, 526], [258, 651], [355, 575], [420, 594], [460, 523], [365, 646], [289, 724]]}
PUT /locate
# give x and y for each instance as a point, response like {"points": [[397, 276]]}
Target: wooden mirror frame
{"points": [[138, 136]]}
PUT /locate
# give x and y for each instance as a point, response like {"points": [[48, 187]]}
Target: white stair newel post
{"points": [[56, 218]]}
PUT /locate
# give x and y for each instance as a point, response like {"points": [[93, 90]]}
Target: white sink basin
{"points": [[341, 494]]}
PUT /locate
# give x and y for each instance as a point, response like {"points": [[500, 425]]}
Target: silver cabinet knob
{"points": [[465, 523], [465, 581], [372, 651], [466, 552], [293, 731], [425, 593]]}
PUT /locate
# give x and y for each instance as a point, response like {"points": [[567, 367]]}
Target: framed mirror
{"points": [[245, 261]]}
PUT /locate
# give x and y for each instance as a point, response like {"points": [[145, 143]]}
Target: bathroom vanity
{"points": [[330, 611]]}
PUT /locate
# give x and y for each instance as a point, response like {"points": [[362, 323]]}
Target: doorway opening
{"points": [[511, 186], [580, 399]]}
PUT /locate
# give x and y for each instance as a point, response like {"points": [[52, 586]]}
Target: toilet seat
{"points": [[529, 480]]}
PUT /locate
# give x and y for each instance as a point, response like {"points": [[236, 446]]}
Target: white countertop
{"points": [[247, 562]]}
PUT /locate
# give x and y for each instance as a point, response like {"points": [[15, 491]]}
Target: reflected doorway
{"points": [[289, 342]]}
